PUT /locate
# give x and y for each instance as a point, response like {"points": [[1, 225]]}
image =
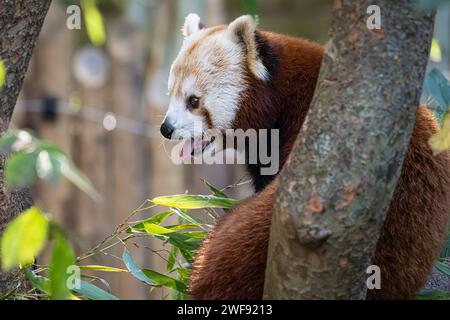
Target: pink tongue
{"points": [[189, 147]]}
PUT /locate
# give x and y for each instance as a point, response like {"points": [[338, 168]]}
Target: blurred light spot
{"points": [[45, 165], [75, 101], [24, 139], [90, 67], [109, 122]]}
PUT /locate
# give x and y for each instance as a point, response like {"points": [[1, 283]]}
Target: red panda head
{"points": [[209, 76]]}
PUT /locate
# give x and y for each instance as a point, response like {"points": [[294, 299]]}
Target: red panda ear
{"points": [[192, 24], [243, 32]]}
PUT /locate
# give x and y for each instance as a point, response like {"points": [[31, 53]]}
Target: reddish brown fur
{"points": [[231, 263]]}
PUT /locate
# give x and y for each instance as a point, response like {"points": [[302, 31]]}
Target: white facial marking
{"points": [[212, 66], [214, 72], [178, 114]]}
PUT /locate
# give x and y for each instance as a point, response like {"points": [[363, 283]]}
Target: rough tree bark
{"points": [[336, 187], [20, 24]]}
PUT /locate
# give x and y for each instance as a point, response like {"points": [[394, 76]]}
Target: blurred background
{"points": [[100, 94]]}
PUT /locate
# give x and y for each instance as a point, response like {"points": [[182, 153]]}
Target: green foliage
{"points": [[22, 241], [183, 238], [134, 269], [39, 282], [2, 74], [62, 258], [187, 201], [27, 235], [215, 191], [435, 51], [161, 280], [94, 22], [102, 268], [92, 292], [33, 158], [151, 277], [20, 170], [24, 238]]}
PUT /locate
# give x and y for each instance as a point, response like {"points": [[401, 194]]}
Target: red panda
{"points": [[237, 77]]}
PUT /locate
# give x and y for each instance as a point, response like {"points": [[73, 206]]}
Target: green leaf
{"points": [[442, 267], [183, 276], [92, 292], [196, 234], [188, 255], [20, 170], [77, 178], [2, 74], [186, 216], [156, 219], [62, 258], [24, 238], [186, 201], [181, 227], [102, 268], [435, 51], [134, 269], [55, 163], [36, 158], [215, 190], [94, 22], [184, 241], [161, 280], [39, 282], [103, 281], [183, 272], [172, 258], [155, 229], [7, 140]]}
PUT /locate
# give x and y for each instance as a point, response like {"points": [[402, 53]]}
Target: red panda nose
{"points": [[167, 130]]}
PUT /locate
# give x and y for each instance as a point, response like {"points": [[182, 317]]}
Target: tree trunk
{"points": [[20, 24], [336, 187]]}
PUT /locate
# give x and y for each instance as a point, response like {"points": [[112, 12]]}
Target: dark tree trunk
{"points": [[336, 188], [20, 24]]}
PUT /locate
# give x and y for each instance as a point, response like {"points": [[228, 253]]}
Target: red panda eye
{"points": [[193, 102]]}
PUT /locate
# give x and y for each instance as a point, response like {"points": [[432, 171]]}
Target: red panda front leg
{"points": [[232, 260]]}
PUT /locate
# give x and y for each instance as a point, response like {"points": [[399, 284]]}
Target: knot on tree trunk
{"points": [[313, 237]]}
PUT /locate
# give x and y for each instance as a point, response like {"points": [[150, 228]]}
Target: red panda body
{"points": [[231, 262]]}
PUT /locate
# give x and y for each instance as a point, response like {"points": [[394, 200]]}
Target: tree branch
{"points": [[20, 24], [336, 188]]}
